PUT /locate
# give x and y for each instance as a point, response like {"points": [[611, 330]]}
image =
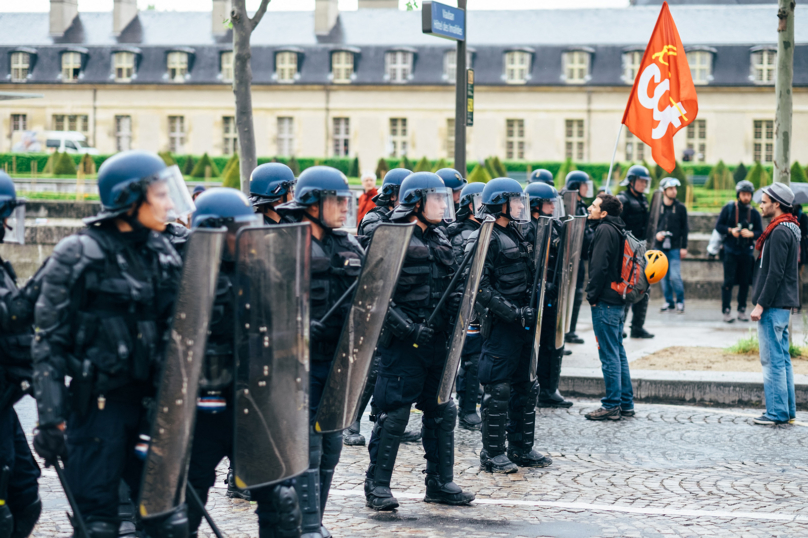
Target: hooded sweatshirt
{"points": [[605, 256]]}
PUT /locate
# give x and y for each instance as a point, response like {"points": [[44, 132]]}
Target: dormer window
{"points": [[577, 65], [342, 66], [71, 66], [450, 64], [517, 66], [764, 65], [177, 63], [631, 65], [701, 65], [20, 66], [286, 66], [398, 66], [226, 60], [124, 66]]}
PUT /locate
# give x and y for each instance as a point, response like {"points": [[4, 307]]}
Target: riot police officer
{"points": [[545, 202], [20, 511], [271, 184], [414, 352], [385, 202], [467, 385], [322, 197], [543, 176], [579, 181], [509, 397], [278, 512], [455, 181], [103, 318], [635, 215]]}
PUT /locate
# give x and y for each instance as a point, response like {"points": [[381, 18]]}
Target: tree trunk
{"points": [[783, 90], [243, 27]]}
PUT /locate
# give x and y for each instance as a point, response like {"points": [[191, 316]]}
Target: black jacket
{"points": [[459, 233], [673, 218], [635, 213], [777, 282], [605, 258], [731, 218], [16, 333]]}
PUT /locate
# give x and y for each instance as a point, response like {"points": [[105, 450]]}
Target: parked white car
{"points": [[50, 141]]}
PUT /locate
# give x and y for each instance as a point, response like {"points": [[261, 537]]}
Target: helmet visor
{"points": [[587, 189], [550, 208], [338, 209], [182, 204], [519, 208], [439, 205], [15, 226], [641, 185]]}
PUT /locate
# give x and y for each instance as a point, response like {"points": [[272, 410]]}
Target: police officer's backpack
{"points": [[633, 284]]}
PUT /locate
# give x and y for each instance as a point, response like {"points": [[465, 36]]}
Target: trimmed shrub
{"points": [[405, 163], [294, 165], [440, 165], [498, 167], [232, 178], [63, 165], [423, 165], [200, 166], [758, 176], [720, 178], [354, 170], [740, 173], [187, 167], [479, 174], [679, 174], [230, 162], [561, 174], [48, 165], [382, 168], [87, 164], [798, 173], [167, 158]]}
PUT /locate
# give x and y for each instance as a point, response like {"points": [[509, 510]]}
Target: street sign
{"points": [[470, 97], [443, 21]]}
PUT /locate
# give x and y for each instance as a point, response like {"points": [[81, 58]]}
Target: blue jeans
{"points": [[672, 283], [607, 320], [778, 376]]}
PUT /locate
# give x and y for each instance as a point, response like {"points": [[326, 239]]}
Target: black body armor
{"points": [[459, 234], [217, 372], [16, 333], [372, 220], [635, 213]]}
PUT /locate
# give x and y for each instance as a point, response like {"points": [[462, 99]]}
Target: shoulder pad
{"points": [[70, 250], [441, 233], [344, 237]]}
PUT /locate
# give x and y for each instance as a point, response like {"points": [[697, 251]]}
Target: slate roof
{"points": [[731, 30]]}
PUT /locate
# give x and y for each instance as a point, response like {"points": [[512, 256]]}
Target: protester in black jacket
{"points": [[671, 238]]}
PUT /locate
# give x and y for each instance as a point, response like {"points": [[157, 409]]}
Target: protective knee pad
{"points": [[533, 395], [307, 486], [26, 518], [495, 417], [174, 525], [195, 514], [282, 517], [391, 427], [445, 433]]}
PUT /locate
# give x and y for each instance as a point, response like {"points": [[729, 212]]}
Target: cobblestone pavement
{"points": [[670, 471]]}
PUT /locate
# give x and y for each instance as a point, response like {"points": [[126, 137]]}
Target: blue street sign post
{"points": [[450, 23]]}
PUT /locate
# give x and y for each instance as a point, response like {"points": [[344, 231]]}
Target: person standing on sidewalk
{"points": [[671, 238], [775, 294], [605, 257], [740, 225], [635, 216]]}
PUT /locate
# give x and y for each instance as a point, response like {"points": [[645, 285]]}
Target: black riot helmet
{"points": [[744, 186], [12, 211], [328, 188], [471, 194], [634, 173], [452, 178], [269, 183], [576, 179], [541, 176], [504, 190], [224, 207], [539, 193], [436, 202], [390, 185]]}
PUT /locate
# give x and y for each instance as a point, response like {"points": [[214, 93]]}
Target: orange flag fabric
{"points": [[663, 99]]}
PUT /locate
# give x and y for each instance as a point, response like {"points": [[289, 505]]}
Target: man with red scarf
{"points": [[775, 294]]}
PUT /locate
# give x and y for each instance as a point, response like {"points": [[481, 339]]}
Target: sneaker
{"points": [[763, 420], [680, 308], [792, 421], [728, 317], [641, 333], [667, 307], [572, 338], [604, 414], [627, 412], [742, 315]]}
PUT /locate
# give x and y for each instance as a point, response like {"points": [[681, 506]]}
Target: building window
{"points": [[20, 65], [19, 122], [124, 66], [286, 137], [764, 141], [342, 65], [764, 65], [342, 135], [71, 122], [286, 66], [230, 134], [176, 134], [398, 137], [576, 66], [517, 66], [71, 66], [697, 139], [635, 148], [575, 141], [177, 66], [123, 133], [227, 66], [701, 66], [515, 139], [399, 66], [631, 65], [450, 138], [450, 64]]}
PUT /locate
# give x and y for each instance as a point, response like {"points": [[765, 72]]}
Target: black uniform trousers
{"points": [[738, 269], [638, 312], [579, 296], [468, 382], [505, 358], [410, 375], [16, 455]]}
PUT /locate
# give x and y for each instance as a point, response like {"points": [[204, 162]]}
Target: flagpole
{"points": [[614, 154]]}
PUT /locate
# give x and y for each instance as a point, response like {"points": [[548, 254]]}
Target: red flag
{"points": [[663, 99]]}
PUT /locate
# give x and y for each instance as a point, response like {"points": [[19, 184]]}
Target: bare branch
{"points": [[260, 13]]}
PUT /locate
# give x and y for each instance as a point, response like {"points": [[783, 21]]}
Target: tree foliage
{"points": [[758, 176], [294, 165], [565, 169], [423, 165], [202, 164], [63, 165], [798, 173], [188, 166], [720, 178], [382, 168], [740, 173], [479, 174], [354, 170], [232, 175]]}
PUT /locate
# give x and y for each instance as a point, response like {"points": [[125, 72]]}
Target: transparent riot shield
{"points": [[578, 229], [165, 470], [272, 354], [653, 219], [569, 252], [465, 312], [570, 202], [363, 325], [541, 251]]}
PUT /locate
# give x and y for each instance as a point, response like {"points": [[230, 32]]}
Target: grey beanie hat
{"points": [[780, 192]]}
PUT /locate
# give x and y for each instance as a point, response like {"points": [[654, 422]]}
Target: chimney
{"points": [[221, 12], [325, 16], [384, 4], [62, 13], [123, 12]]}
